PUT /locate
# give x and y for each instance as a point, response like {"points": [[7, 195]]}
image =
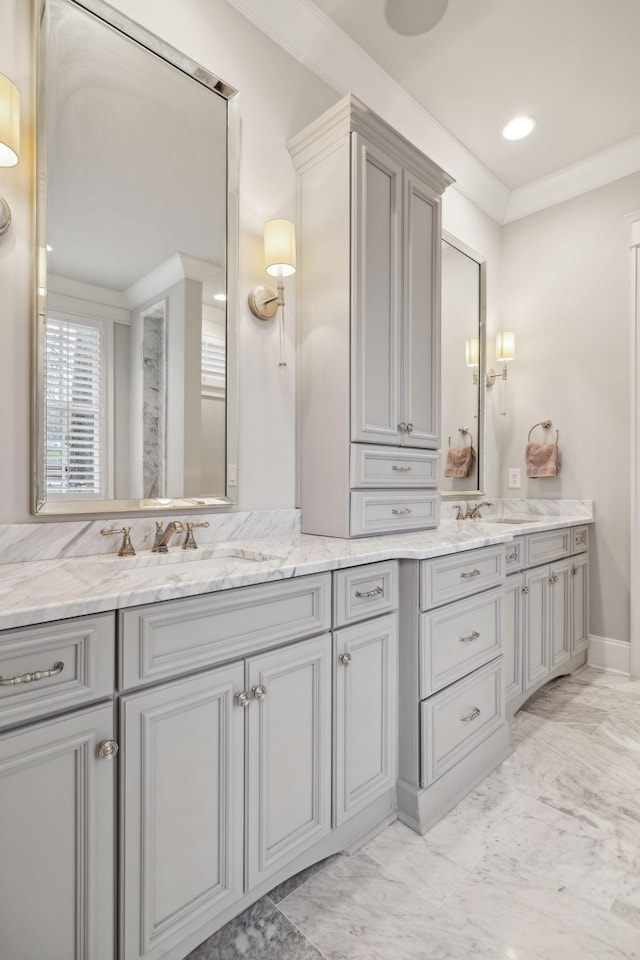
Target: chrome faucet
{"points": [[474, 513], [161, 542]]}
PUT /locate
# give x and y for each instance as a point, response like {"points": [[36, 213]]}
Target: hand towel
{"points": [[542, 460], [459, 461]]}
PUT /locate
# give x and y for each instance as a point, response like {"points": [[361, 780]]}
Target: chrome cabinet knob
{"points": [[107, 750], [243, 699], [525, 590], [409, 427], [345, 659], [554, 578], [259, 692], [402, 427]]}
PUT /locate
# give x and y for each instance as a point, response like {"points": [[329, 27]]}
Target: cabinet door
{"points": [[560, 612], [377, 277], [182, 803], [366, 726], [536, 626], [57, 837], [579, 604], [421, 316], [512, 635], [289, 761]]}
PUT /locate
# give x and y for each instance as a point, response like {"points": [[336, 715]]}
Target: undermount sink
{"points": [[508, 519], [205, 561]]}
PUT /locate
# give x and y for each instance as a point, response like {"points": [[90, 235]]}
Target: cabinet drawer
{"points": [[377, 467], [176, 636], [547, 546], [459, 638], [513, 556], [579, 539], [364, 592], [56, 666], [453, 577], [456, 720], [389, 512]]}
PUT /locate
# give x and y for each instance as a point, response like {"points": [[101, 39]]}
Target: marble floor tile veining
{"points": [[540, 862]]}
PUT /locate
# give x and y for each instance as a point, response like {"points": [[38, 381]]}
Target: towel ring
{"points": [[546, 425], [464, 431]]}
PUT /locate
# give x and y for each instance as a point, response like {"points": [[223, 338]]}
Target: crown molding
{"points": [[313, 39], [589, 174]]}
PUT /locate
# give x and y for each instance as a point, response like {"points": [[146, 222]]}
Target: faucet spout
{"points": [[161, 542]]}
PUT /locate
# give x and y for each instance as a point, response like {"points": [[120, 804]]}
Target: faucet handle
{"points": [[190, 540], [459, 513], [126, 547]]}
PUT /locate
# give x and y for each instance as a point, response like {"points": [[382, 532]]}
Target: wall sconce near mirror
{"points": [[280, 262], [505, 352], [9, 139]]}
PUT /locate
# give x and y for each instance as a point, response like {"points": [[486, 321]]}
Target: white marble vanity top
{"points": [[38, 591]]}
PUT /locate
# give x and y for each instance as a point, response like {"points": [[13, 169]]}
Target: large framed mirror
{"points": [[135, 403], [463, 370]]}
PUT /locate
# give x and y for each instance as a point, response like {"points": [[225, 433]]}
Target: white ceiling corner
{"points": [[316, 40]]}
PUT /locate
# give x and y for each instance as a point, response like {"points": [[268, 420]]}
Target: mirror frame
{"points": [[482, 372], [40, 505]]}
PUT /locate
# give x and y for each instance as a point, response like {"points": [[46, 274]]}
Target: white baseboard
{"points": [[608, 654]]}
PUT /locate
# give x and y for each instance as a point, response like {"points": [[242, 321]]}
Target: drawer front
{"points": [[55, 666], [547, 546], [176, 636], [457, 720], [460, 575], [364, 592], [579, 539], [389, 512], [513, 556], [459, 638], [376, 467]]}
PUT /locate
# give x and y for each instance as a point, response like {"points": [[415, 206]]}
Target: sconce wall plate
{"points": [[5, 217], [263, 303]]}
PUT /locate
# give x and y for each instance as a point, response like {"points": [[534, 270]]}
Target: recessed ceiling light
{"points": [[220, 296], [518, 128]]}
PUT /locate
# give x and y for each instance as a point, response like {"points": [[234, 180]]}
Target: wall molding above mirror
{"points": [[135, 348], [463, 406]]}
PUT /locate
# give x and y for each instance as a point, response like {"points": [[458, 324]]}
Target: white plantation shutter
{"points": [[213, 361], [75, 418]]}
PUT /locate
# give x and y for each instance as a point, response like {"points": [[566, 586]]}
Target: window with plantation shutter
{"points": [[213, 361], [75, 418]]}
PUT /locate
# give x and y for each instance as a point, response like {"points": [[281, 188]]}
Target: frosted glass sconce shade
{"points": [[9, 123], [280, 248], [505, 346], [472, 352]]}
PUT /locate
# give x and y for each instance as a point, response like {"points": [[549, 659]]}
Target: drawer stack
{"points": [[393, 490], [460, 657]]}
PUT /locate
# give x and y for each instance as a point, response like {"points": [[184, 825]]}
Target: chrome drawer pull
{"points": [[472, 636], [581, 538], [471, 716], [403, 469], [401, 512], [259, 692], [472, 573], [345, 659], [364, 594], [512, 556], [554, 578], [57, 668]]}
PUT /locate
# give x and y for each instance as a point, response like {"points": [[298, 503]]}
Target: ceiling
{"points": [[571, 64]]}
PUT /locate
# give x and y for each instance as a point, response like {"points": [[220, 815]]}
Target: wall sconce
{"points": [[9, 139], [505, 352], [280, 262], [472, 355]]}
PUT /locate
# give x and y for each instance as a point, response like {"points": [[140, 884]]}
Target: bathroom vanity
{"points": [[209, 727]]}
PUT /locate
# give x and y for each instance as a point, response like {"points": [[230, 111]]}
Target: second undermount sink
{"points": [[508, 519]]}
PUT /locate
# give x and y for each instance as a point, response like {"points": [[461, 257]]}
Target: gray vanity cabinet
{"points": [[579, 604], [57, 837], [182, 799], [369, 321]]}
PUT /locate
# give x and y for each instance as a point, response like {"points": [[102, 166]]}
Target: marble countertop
{"points": [[37, 591]]}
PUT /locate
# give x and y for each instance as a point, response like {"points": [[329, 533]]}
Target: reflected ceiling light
{"points": [[9, 138], [220, 296], [413, 17], [280, 262], [518, 128], [49, 248]]}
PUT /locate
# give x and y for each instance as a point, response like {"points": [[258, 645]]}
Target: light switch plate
{"points": [[514, 478]]}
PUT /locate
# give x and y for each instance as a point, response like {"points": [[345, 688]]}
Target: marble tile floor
{"points": [[540, 862]]}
